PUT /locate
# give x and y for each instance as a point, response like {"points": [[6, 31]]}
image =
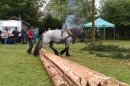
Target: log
{"points": [[79, 74], [55, 76], [76, 78], [101, 78], [88, 75], [123, 84], [93, 78], [109, 81], [67, 79]]}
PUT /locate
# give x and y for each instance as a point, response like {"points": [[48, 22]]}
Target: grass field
{"points": [[17, 68]]}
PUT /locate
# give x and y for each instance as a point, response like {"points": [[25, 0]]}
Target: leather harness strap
{"points": [[70, 35]]}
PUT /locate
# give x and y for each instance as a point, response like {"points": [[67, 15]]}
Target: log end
{"points": [[93, 82], [123, 84], [61, 83], [110, 82], [81, 81]]}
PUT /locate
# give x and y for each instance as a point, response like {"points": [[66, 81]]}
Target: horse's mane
{"points": [[75, 30]]}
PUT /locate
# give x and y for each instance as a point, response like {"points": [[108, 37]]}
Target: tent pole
{"points": [[114, 33], [104, 33]]}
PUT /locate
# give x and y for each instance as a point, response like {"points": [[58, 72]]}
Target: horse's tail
{"points": [[38, 45]]}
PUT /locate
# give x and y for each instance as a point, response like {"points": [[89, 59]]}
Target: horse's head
{"points": [[82, 35], [79, 32]]}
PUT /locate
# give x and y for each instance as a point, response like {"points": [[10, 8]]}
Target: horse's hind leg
{"points": [[51, 46]]}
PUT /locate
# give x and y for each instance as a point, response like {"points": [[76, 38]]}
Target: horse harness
{"points": [[70, 35]]}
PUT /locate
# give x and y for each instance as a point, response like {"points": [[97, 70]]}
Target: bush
{"points": [[127, 56], [105, 48], [117, 52], [101, 55], [117, 55]]}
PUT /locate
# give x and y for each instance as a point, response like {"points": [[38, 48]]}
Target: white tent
{"points": [[11, 24], [100, 23]]}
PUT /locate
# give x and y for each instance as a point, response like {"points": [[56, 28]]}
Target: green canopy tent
{"points": [[100, 23]]}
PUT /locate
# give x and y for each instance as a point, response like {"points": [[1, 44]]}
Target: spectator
{"points": [[35, 37], [44, 31], [10, 35], [0, 35], [23, 36], [6, 35], [49, 29], [15, 33], [0, 32], [30, 40]]}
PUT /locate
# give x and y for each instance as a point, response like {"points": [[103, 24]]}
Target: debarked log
{"points": [[88, 75], [55, 76], [76, 78], [80, 75], [123, 84], [93, 78], [65, 78]]}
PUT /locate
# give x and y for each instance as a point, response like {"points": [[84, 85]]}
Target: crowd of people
{"points": [[13, 37], [8, 36]]}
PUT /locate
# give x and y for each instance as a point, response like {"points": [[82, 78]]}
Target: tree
{"points": [[26, 9], [117, 12], [61, 8], [50, 22], [84, 9], [58, 9]]}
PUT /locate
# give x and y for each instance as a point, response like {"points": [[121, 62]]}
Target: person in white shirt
{"points": [[10, 35], [6, 35]]}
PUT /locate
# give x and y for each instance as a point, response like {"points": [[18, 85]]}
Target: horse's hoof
{"points": [[57, 54], [61, 53], [68, 55]]}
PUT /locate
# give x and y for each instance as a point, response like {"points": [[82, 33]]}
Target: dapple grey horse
{"points": [[60, 36]]}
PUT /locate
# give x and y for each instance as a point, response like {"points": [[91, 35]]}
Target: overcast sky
{"points": [[97, 3]]}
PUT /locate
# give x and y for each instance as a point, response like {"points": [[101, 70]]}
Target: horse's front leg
{"points": [[65, 49], [51, 46]]}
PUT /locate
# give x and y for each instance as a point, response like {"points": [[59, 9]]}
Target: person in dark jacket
{"points": [[23, 36], [15, 34]]}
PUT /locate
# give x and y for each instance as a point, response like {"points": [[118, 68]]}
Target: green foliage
{"points": [[115, 51], [58, 9], [27, 9], [127, 56], [109, 48], [101, 55], [118, 13], [50, 22], [61, 8], [117, 55]]}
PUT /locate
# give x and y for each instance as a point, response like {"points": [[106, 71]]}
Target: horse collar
{"points": [[70, 33]]}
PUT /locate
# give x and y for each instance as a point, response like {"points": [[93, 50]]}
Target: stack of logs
{"points": [[64, 72]]}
